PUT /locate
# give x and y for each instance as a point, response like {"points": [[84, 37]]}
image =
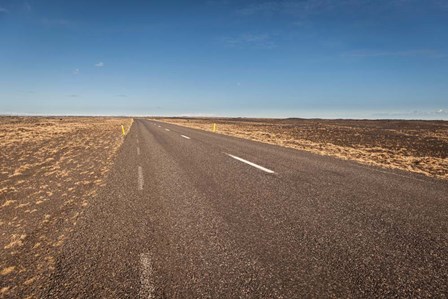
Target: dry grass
{"points": [[416, 146], [51, 169]]}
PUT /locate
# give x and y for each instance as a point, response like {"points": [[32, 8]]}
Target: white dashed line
{"points": [[140, 178], [186, 137], [138, 151], [137, 141], [147, 288], [250, 163], [167, 130], [159, 126]]}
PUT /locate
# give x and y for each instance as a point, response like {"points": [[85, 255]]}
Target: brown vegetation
{"points": [[417, 146], [50, 170]]}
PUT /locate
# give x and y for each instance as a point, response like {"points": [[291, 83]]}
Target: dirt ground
{"points": [[417, 146], [50, 170]]}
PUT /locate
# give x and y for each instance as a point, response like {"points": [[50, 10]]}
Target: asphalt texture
{"points": [[181, 218]]}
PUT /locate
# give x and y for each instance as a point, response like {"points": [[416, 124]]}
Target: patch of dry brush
{"points": [[417, 146], [50, 170]]}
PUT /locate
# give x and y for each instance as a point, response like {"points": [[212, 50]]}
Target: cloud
{"points": [[295, 8], [3, 10], [99, 64], [428, 53], [76, 72], [217, 2], [261, 41], [443, 4], [439, 112], [57, 22], [260, 8], [416, 114], [304, 8]]}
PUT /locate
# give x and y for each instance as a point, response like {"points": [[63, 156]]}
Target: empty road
{"points": [[192, 214]]}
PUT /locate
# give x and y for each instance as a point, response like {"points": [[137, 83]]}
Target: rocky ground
{"points": [[50, 170]]}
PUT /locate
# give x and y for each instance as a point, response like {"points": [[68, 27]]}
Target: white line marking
{"points": [[159, 126], [140, 178], [147, 288], [138, 151], [250, 163], [167, 130], [137, 140], [186, 137]]}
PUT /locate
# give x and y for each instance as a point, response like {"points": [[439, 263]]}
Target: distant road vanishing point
{"points": [[193, 214]]}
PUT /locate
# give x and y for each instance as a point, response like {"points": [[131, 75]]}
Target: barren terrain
{"points": [[417, 146], [50, 170]]}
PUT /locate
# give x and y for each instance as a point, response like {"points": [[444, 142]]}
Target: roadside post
{"points": [[214, 128], [122, 130]]}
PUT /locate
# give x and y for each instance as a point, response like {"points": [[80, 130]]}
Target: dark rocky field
{"points": [[50, 170]]}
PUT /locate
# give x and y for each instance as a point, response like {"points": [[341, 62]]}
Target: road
{"points": [[193, 214]]}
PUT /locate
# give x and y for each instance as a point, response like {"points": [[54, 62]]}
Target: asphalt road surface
{"points": [[192, 214]]}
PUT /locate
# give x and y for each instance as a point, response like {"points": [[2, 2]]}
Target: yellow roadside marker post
{"points": [[214, 128], [122, 130]]}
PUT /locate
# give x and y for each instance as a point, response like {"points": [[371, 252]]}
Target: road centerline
{"points": [[140, 178], [186, 137], [167, 130], [147, 288], [251, 163], [138, 150]]}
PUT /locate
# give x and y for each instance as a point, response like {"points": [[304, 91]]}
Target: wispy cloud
{"points": [[76, 72], [217, 2], [296, 8], [416, 114], [261, 41], [27, 6], [305, 8], [443, 4], [57, 22], [3, 10], [99, 64], [405, 53], [260, 8]]}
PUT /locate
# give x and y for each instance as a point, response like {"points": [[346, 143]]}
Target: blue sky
{"points": [[307, 58]]}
